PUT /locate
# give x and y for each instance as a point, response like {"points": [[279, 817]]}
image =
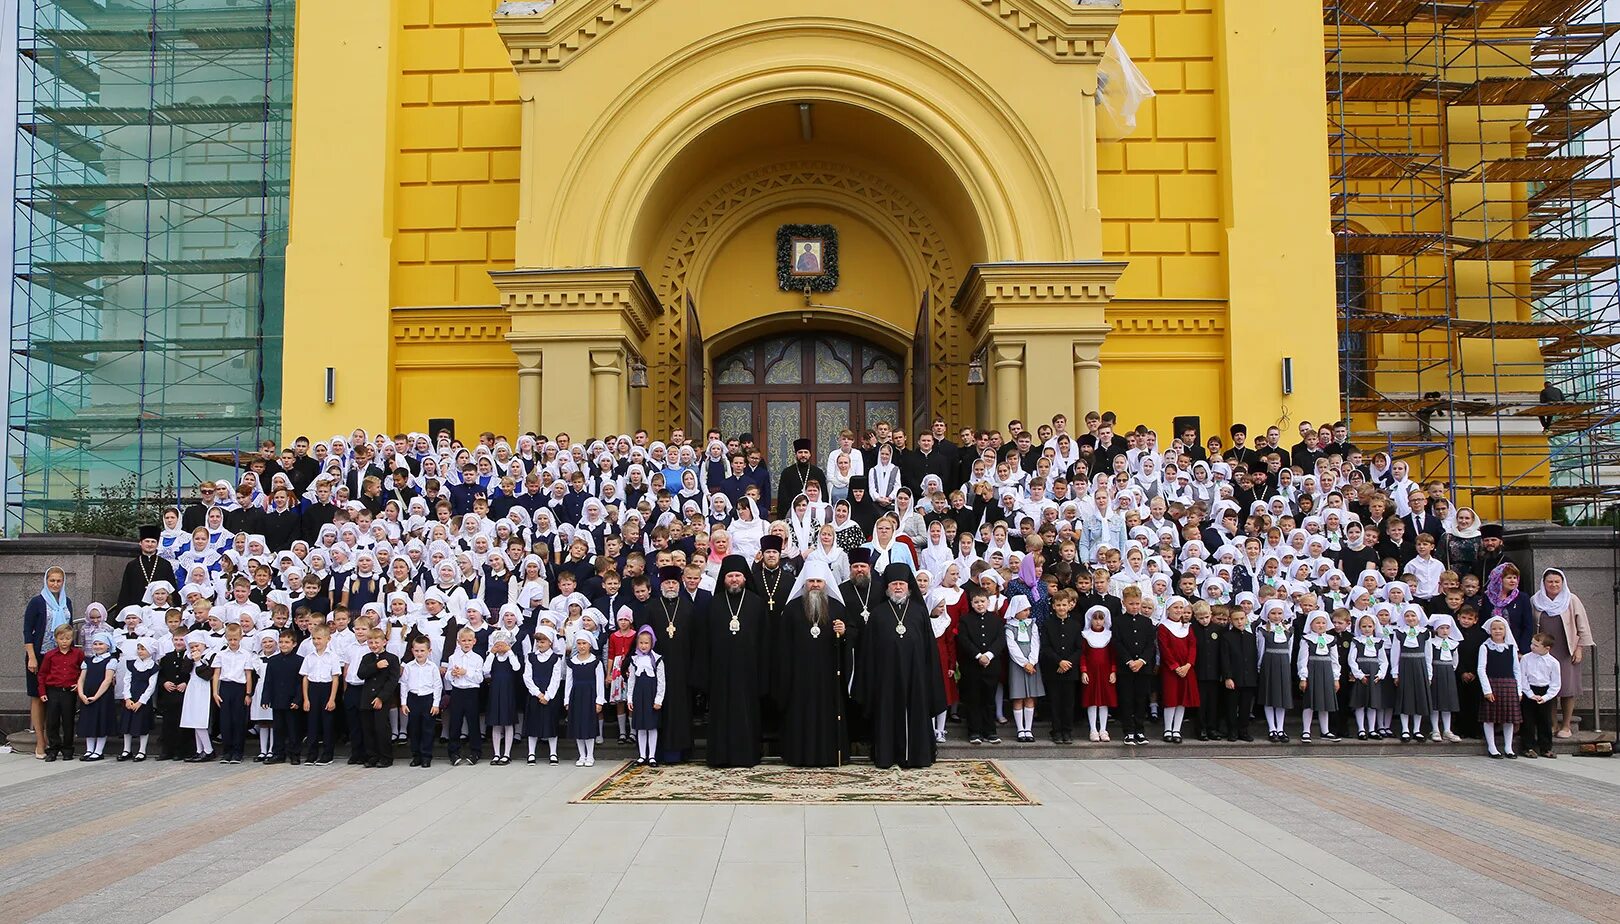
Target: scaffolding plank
{"points": [[67, 67], [177, 114], [1574, 86], [1372, 12], [1571, 41], [1566, 124], [1510, 91], [1525, 330], [113, 269], [1539, 14], [186, 189], [1392, 245], [1376, 166], [1569, 347], [1534, 169], [1364, 323], [67, 213], [97, 39], [1582, 190], [61, 285], [1531, 248], [1377, 86], [66, 140]]}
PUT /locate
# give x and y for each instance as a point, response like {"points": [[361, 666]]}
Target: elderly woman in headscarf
{"points": [[44, 612], [1562, 615]]}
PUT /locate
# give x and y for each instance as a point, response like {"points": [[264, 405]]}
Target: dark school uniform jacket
{"points": [[1239, 658], [1207, 667], [282, 686], [379, 682], [1136, 638]]}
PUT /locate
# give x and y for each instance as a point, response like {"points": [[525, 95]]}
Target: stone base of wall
{"points": [[1588, 557], [94, 566]]}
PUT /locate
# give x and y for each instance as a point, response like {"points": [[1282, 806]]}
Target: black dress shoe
{"points": [[124, 756]]}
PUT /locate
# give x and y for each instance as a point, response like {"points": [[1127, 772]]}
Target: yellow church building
{"points": [[597, 215]]}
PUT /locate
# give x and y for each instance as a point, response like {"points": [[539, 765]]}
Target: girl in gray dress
{"points": [[1276, 692], [1319, 674], [1368, 668], [1444, 642], [1024, 684], [1409, 666]]}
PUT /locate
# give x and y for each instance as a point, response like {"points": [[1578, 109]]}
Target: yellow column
{"points": [[1044, 325], [529, 390], [1279, 245], [607, 392], [583, 323], [342, 220], [1087, 377], [1008, 360]]}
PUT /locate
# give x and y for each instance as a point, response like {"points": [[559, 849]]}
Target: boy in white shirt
{"points": [[463, 675], [1541, 677], [420, 688]]}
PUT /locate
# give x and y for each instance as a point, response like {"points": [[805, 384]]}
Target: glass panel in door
{"points": [[783, 425]]}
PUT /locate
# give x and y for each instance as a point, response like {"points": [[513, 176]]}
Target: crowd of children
{"points": [[495, 593]]}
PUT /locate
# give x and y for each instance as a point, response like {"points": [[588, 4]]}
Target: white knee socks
{"points": [[95, 745], [1507, 737], [939, 724], [128, 740], [1173, 716], [622, 718], [1386, 719], [501, 740], [1274, 718], [1406, 723], [647, 743], [1490, 736], [266, 738], [142, 748], [203, 746], [1321, 720]]}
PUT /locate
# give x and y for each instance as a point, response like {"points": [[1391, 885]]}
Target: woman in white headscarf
{"points": [[1562, 615], [747, 529], [826, 550]]}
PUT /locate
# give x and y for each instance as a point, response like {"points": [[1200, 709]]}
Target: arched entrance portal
{"points": [[815, 384]]}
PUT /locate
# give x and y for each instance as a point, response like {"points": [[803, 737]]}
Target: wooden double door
{"points": [[812, 385]]}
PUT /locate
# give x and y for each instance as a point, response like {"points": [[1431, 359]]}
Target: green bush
{"points": [[117, 511]]}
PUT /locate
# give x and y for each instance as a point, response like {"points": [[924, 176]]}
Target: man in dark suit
{"points": [[1241, 453], [1420, 520], [197, 514]]}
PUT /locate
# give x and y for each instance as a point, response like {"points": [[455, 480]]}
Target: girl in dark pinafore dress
{"points": [[1499, 678], [139, 685], [1368, 668], [1276, 691], [1409, 666], [543, 677], [585, 693], [644, 691], [97, 717], [503, 671], [1319, 674], [1444, 644]]}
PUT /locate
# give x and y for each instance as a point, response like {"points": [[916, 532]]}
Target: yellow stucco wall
{"points": [[448, 132]]}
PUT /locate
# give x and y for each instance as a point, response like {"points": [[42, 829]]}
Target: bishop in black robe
{"points": [[674, 626], [897, 675], [811, 675], [146, 568], [734, 669]]}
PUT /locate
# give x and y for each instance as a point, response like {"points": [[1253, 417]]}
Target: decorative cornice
{"points": [[1042, 285], [621, 289], [1148, 321], [549, 40], [1064, 31], [438, 331]]}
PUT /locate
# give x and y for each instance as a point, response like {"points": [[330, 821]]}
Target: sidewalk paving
{"points": [[1292, 838]]}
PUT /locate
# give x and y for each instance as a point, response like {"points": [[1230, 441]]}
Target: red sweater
{"points": [[58, 669]]}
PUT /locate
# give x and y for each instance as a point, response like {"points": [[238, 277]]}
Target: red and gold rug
{"points": [[948, 782]]}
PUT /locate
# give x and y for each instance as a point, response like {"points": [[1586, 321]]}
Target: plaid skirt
{"points": [[1505, 710]]}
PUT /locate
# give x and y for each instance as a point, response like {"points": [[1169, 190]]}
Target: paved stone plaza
{"points": [[1293, 839]]}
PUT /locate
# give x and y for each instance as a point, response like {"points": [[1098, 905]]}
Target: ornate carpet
{"points": [[947, 782]]}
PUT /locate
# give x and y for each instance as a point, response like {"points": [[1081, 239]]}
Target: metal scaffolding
{"points": [[153, 154], [1473, 201]]}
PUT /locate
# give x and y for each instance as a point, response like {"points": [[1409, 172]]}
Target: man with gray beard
{"points": [[674, 626], [897, 675], [812, 671]]}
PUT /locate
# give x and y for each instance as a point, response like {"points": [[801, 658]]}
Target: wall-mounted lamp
{"points": [[331, 385], [638, 373]]}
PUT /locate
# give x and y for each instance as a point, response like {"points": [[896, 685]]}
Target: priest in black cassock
{"points": [[772, 580], [800, 472], [674, 626], [897, 675], [860, 595], [146, 568], [811, 678], [734, 668]]}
